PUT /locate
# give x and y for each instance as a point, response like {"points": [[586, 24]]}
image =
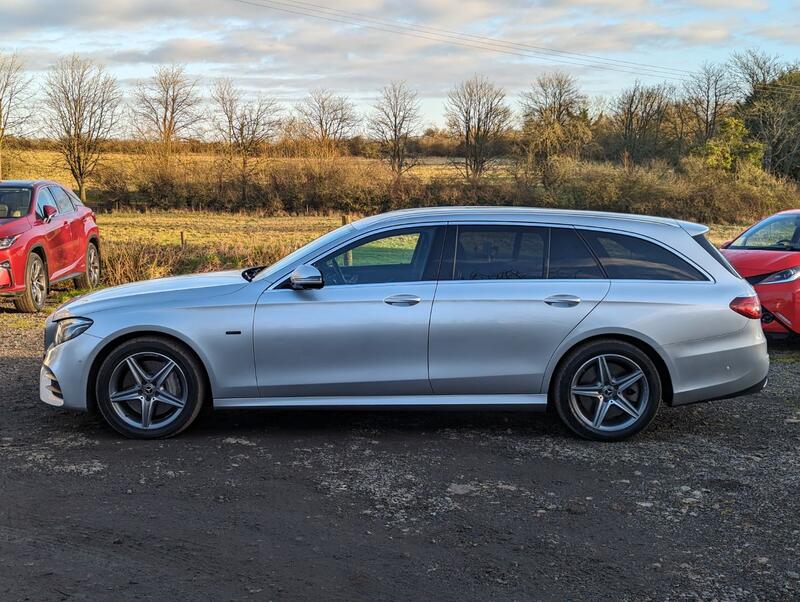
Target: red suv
{"points": [[46, 235]]}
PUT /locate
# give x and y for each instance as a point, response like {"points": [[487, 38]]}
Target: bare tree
{"points": [[640, 114], [710, 95], [81, 108], [478, 115], [754, 70], [395, 119], [166, 109], [555, 117], [15, 102], [326, 118], [244, 126]]}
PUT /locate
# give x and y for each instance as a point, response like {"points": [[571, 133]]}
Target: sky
{"points": [[286, 52]]}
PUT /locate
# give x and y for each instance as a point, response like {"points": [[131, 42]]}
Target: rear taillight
{"points": [[749, 307]]}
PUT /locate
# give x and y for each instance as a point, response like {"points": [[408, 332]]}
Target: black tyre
{"points": [[150, 388], [36, 286], [607, 390], [90, 277]]}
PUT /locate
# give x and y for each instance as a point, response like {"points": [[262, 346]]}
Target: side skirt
{"points": [[533, 402]]}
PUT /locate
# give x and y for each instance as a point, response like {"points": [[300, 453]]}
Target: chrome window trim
{"points": [[361, 234]]}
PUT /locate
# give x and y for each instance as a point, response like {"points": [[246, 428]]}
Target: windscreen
{"points": [[14, 202]]}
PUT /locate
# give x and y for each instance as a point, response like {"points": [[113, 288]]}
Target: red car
{"points": [[46, 235], [768, 256]]}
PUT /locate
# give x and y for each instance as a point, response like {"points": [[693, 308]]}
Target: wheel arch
{"points": [[116, 340], [39, 249], [647, 347]]}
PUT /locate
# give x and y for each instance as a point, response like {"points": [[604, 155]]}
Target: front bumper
{"points": [[782, 305], [64, 375]]}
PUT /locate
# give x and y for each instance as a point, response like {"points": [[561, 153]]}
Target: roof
{"points": [[24, 183], [572, 216]]}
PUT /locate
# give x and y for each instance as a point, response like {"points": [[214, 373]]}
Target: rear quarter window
{"points": [[629, 258]]}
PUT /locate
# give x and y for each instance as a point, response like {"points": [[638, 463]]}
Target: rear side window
{"points": [[630, 258], [570, 258], [500, 253], [62, 199], [701, 240]]}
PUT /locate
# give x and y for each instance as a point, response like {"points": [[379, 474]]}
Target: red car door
{"points": [[75, 216], [56, 233]]}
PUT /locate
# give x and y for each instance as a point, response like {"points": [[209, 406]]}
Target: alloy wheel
{"points": [[38, 280], [609, 392], [148, 390], [93, 266]]}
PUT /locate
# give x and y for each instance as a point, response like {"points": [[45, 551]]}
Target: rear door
{"points": [[507, 296], [74, 254]]}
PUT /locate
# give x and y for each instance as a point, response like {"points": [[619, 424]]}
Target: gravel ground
{"points": [[287, 505]]}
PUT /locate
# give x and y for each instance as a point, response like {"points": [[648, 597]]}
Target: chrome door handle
{"points": [[563, 300], [402, 300]]}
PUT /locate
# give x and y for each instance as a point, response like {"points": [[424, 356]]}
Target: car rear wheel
{"points": [[36, 286], [150, 388], [91, 274], [607, 390]]}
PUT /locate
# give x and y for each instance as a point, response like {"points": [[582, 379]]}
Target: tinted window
{"points": [[62, 199], [714, 252], [500, 253], [14, 202], [629, 258], [570, 258], [407, 255], [43, 197]]}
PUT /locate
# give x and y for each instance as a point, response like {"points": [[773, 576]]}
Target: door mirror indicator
{"points": [[306, 277], [49, 213]]}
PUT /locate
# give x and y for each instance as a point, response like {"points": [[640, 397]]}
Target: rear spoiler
{"points": [[691, 228]]}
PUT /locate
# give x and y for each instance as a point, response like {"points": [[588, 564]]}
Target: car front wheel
{"points": [[34, 297], [607, 390], [150, 388]]}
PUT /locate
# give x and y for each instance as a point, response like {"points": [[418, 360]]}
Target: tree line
{"points": [[739, 115]]}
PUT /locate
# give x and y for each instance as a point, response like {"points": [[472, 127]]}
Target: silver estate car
{"points": [[600, 316]]}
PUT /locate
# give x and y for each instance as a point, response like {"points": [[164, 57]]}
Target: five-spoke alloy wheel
{"points": [[607, 390], [150, 387]]}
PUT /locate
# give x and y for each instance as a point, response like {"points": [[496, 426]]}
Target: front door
{"points": [[365, 333], [508, 296], [56, 233]]}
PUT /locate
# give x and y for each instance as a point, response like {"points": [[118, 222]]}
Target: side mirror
{"points": [[306, 277], [49, 213]]}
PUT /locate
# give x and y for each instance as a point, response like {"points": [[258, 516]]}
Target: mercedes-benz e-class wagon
{"points": [[601, 316]]}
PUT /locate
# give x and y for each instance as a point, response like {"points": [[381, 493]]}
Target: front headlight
{"points": [[69, 328], [6, 242], [786, 275]]}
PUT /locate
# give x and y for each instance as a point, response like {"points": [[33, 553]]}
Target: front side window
{"points": [[779, 233], [44, 199], [14, 202], [630, 258], [500, 253], [62, 199], [408, 255]]}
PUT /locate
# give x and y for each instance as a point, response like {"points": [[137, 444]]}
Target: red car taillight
{"points": [[749, 307]]}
